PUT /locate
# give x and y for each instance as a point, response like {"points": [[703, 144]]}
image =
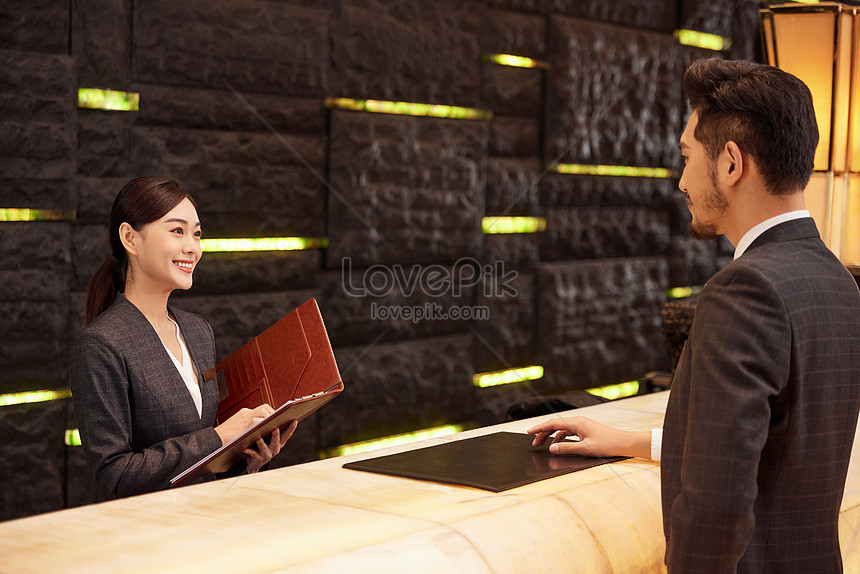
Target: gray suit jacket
{"points": [[762, 412], [139, 426]]}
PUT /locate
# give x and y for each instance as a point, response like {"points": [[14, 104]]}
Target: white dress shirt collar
{"points": [[754, 233]]}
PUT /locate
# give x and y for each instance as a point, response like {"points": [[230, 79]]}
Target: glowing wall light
{"points": [[29, 397], [703, 40], [513, 224], [514, 61], [112, 100], [508, 376], [618, 391], [263, 244], [26, 214], [409, 109], [393, 440], [73, 437], [681, 292], [612, 170]]}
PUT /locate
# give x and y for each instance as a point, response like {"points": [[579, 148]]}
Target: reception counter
{"points": [[319, 517]]}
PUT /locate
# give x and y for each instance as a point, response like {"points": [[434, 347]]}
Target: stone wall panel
{"points": [[89, 248], [566, 191], [396, 303], [492, 403], [104, 146], [257, 272], [32, 450], [506, 338], [510, 90], [221, 109], [245, 184], [691, 261], [37, 25], [659, 15], [407, 189], [399, 387], [40, 88], [95, 199], [37, 119], [38, 193], [734, 19], [512, 186], [520, 252], [34, 304], [588, 233], [508, 32], [512, 136], [274, 47], [600, 321], [409, 50], [527, 6], [101, 42], [611, 95]]}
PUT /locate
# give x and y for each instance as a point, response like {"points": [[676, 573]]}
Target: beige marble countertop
{"points": [[319, 517]]}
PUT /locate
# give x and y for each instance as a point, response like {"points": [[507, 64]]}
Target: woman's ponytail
{"points": [[103, 287]]}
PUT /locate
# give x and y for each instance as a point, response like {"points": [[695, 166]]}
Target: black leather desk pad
{"points": [[494, 462]]}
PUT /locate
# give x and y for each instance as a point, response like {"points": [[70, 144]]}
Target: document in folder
{"points": [[290, 366]]}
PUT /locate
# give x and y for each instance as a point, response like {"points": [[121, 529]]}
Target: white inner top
{"points": [[186, 369]]}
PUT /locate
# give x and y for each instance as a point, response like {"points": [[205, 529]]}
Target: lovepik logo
{"points": [[432, 280]]}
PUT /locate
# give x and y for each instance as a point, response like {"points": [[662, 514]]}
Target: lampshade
{"points": [[818, 43]]}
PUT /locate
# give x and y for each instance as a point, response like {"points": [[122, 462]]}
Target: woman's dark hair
{"points": [[766, 111], [142, 200]]}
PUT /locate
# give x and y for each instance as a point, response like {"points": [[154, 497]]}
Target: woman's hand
{"points": [[595, 439], [241, 421], [266, 452]]}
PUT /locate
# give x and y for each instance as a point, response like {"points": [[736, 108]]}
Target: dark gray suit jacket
{"points": [[139, 426], [762, 412]]}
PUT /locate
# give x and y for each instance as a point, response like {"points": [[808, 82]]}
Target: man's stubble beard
{"points": [[715, 201]]}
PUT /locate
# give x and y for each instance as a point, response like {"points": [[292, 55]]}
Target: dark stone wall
{"points": [[233, 106]]}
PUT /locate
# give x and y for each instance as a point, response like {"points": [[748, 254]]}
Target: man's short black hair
{"points": [[767, 112]]}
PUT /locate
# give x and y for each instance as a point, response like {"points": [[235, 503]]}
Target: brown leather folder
{"points": [[290, 359], [290, 366]]}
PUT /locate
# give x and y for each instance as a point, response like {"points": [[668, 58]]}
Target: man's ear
{"points": [[129, 237], [733, 163]]}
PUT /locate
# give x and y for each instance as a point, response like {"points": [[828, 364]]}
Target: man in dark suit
{"points": [[763, 407]]}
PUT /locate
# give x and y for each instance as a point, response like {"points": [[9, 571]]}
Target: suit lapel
{"points": [[165, 381], [199, 344]]}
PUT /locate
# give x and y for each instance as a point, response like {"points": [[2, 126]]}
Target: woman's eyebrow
{"points": [[180, 220]]}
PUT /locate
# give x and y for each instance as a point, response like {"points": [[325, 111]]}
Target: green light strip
{"points": [[95, 99], [514, 61], [703, 40], [30, 397], [263, 244], [513, 224], [507, 377], [26, 214], [392, 440], [408, 109], [681, 292], [618, 391], [73, 437], [612, 170]]}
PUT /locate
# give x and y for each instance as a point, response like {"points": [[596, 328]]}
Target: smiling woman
{"points": [[144, 409]]}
